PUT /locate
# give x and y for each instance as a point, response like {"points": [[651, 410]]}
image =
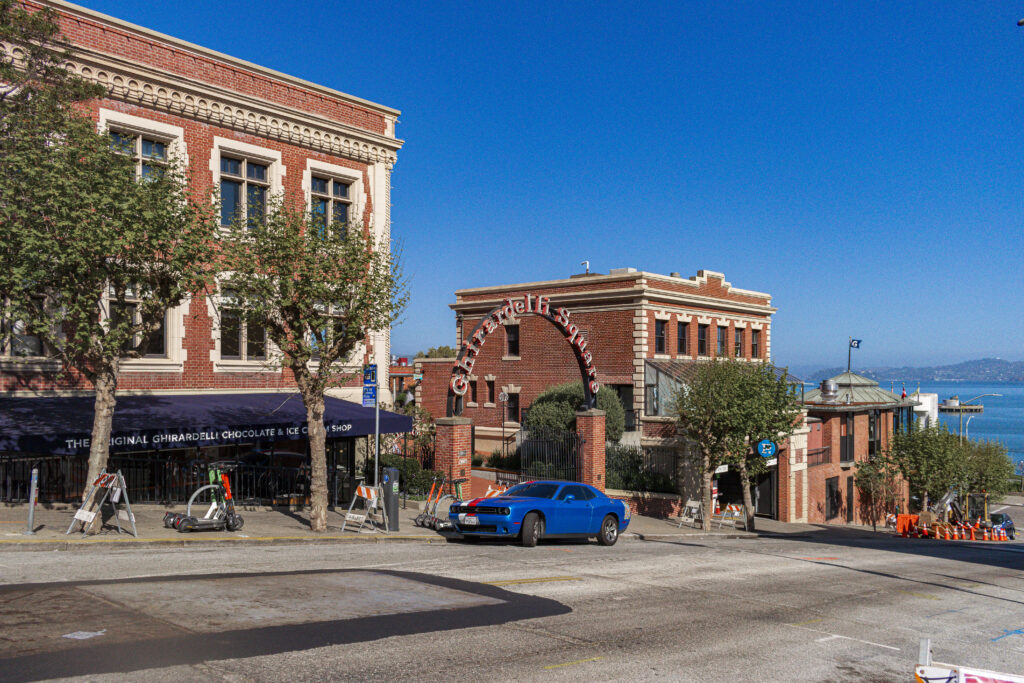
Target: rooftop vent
{"points": [[621, 271], [674, 274], [829, 391]]}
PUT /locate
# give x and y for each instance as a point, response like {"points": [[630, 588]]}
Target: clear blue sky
{"points": [[860, 161]]}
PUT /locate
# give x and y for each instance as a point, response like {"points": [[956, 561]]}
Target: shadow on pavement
{"points": [[132, 652]]}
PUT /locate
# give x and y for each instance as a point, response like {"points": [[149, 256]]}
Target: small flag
{"points": [[904, 390], [855, 343]]}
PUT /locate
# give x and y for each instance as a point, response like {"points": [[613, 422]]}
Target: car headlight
{"points": [[505, 511]]}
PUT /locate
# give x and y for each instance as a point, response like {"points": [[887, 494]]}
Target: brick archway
{"points": [[533, 304]]}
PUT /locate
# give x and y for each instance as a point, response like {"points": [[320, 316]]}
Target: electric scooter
{"points": [[221, 513]]}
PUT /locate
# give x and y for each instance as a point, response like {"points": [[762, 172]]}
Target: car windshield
{"points": [[533, 490], [998, 518]]}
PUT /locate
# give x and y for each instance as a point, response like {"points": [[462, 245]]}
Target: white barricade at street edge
{"points": [[109, 487], [374, 501]]}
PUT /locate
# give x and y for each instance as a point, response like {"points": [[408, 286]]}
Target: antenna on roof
{"points": [[586, 264]]}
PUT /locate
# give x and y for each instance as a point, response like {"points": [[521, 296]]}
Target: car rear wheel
{"points": [[533, 529], [609, 531]]}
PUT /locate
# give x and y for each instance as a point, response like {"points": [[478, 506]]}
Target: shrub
{"points": [[625, 470], [511, 461], [556, 407]]}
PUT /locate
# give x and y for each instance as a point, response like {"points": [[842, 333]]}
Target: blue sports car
{"points": [[542, 509]]}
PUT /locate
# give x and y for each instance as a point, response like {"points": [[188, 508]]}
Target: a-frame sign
{"points": [[108, 488]]}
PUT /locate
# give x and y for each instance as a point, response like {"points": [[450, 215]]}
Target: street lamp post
{"points": [[961, 411]]}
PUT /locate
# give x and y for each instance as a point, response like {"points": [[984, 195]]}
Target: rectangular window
{"points": [[512, 337], [148, 153], [659, 336], [490, 391], [682, 343], [327, 336], [17, 340], [472, 391], [156, 341], [243, 178], [702, 340], [738, 335], [723, 332], [241, 337], [755, 343], [512, 408], [330, 202]]}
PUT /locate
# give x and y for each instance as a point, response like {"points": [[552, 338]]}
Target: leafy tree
{"points": [[727, 408], [556, 407], [987, 467], [770, 411], [712, 415], [438, 352], [880, 486], [319, 291], [81, 233], [930, 459]]}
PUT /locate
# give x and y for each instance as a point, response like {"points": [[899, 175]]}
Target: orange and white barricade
{"points": [[494, 491], [372, 497]]}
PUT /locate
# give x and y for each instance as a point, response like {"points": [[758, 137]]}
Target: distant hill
{"points": [[982, 370]]}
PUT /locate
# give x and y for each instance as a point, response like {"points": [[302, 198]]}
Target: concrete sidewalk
{"points": [[281, 525]]}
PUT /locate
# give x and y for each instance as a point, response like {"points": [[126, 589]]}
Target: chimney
{"points": [[829, 391]]}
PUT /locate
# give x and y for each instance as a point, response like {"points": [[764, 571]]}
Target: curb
{"points": [[29, 545]]}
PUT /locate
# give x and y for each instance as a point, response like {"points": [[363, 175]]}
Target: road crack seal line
{"points": [[542, 579], [578, 661]]}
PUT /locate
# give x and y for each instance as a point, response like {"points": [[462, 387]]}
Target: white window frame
{"points": [[215, 303], [174, 136], [228, 147], [354, 178]]}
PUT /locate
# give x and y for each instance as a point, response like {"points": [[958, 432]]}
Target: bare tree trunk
{"points": [[105, 387], [709, 505], [748, 498], [318, 457]]}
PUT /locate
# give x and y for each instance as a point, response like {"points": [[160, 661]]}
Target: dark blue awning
{"points": [[63, 425]]}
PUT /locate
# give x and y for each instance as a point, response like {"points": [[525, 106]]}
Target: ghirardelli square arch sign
{"points": [[511, 309]]}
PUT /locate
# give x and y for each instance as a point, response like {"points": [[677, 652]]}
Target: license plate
{"points": [[468, 520]]}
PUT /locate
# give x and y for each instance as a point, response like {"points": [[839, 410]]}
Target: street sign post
{"points": [[370, 400]]}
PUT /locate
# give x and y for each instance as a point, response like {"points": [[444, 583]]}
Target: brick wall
{"points": [[92, 33]]}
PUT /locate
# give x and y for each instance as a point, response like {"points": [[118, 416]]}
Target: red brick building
{"points": [[849, 420], [248, 132], [634, 323]]}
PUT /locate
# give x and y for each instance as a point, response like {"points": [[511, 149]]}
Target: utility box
{"points": [[389, 495]]}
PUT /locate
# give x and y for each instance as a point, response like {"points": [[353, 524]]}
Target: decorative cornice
{"points": [[161, 90]]}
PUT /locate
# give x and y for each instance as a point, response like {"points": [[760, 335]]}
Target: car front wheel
{"points": [[533, 529], [609, 531]]}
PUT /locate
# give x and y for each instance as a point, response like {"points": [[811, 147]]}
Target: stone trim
{"points": [[162, 90]]}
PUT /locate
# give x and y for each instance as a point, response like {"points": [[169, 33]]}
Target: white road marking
{"points": [[1001, 509], [833, 636]]}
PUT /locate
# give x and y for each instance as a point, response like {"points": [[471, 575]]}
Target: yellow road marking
{"points": [[543, 579], [805, 623], [918, 595], [578, 661]]}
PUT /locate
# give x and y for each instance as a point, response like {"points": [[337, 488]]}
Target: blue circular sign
{"points": [[766, 448]]}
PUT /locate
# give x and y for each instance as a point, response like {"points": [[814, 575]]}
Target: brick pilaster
{"points": [[452, 455], [590, 425]]}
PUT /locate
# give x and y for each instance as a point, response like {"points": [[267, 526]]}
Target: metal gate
{"points": [[547, 453]]}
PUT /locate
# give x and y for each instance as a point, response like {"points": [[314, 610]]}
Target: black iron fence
{"points": [[156, 480], [819, 456], [546, 453]]}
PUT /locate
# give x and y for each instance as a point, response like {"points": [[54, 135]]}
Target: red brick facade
{"points": [[619, 314], [221, 103]]}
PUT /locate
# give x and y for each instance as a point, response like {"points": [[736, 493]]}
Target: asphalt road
{"points": [[833, 606]]}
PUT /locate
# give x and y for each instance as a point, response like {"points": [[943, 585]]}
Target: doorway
{"points": [[833, 499]]}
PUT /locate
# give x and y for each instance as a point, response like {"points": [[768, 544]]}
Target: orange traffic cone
{"points": [[1002, 534], [936, 534], [972, 534], [985, 535], [946, 535]]}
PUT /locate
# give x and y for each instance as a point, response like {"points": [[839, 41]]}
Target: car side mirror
{"points": [[570, 498]]}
